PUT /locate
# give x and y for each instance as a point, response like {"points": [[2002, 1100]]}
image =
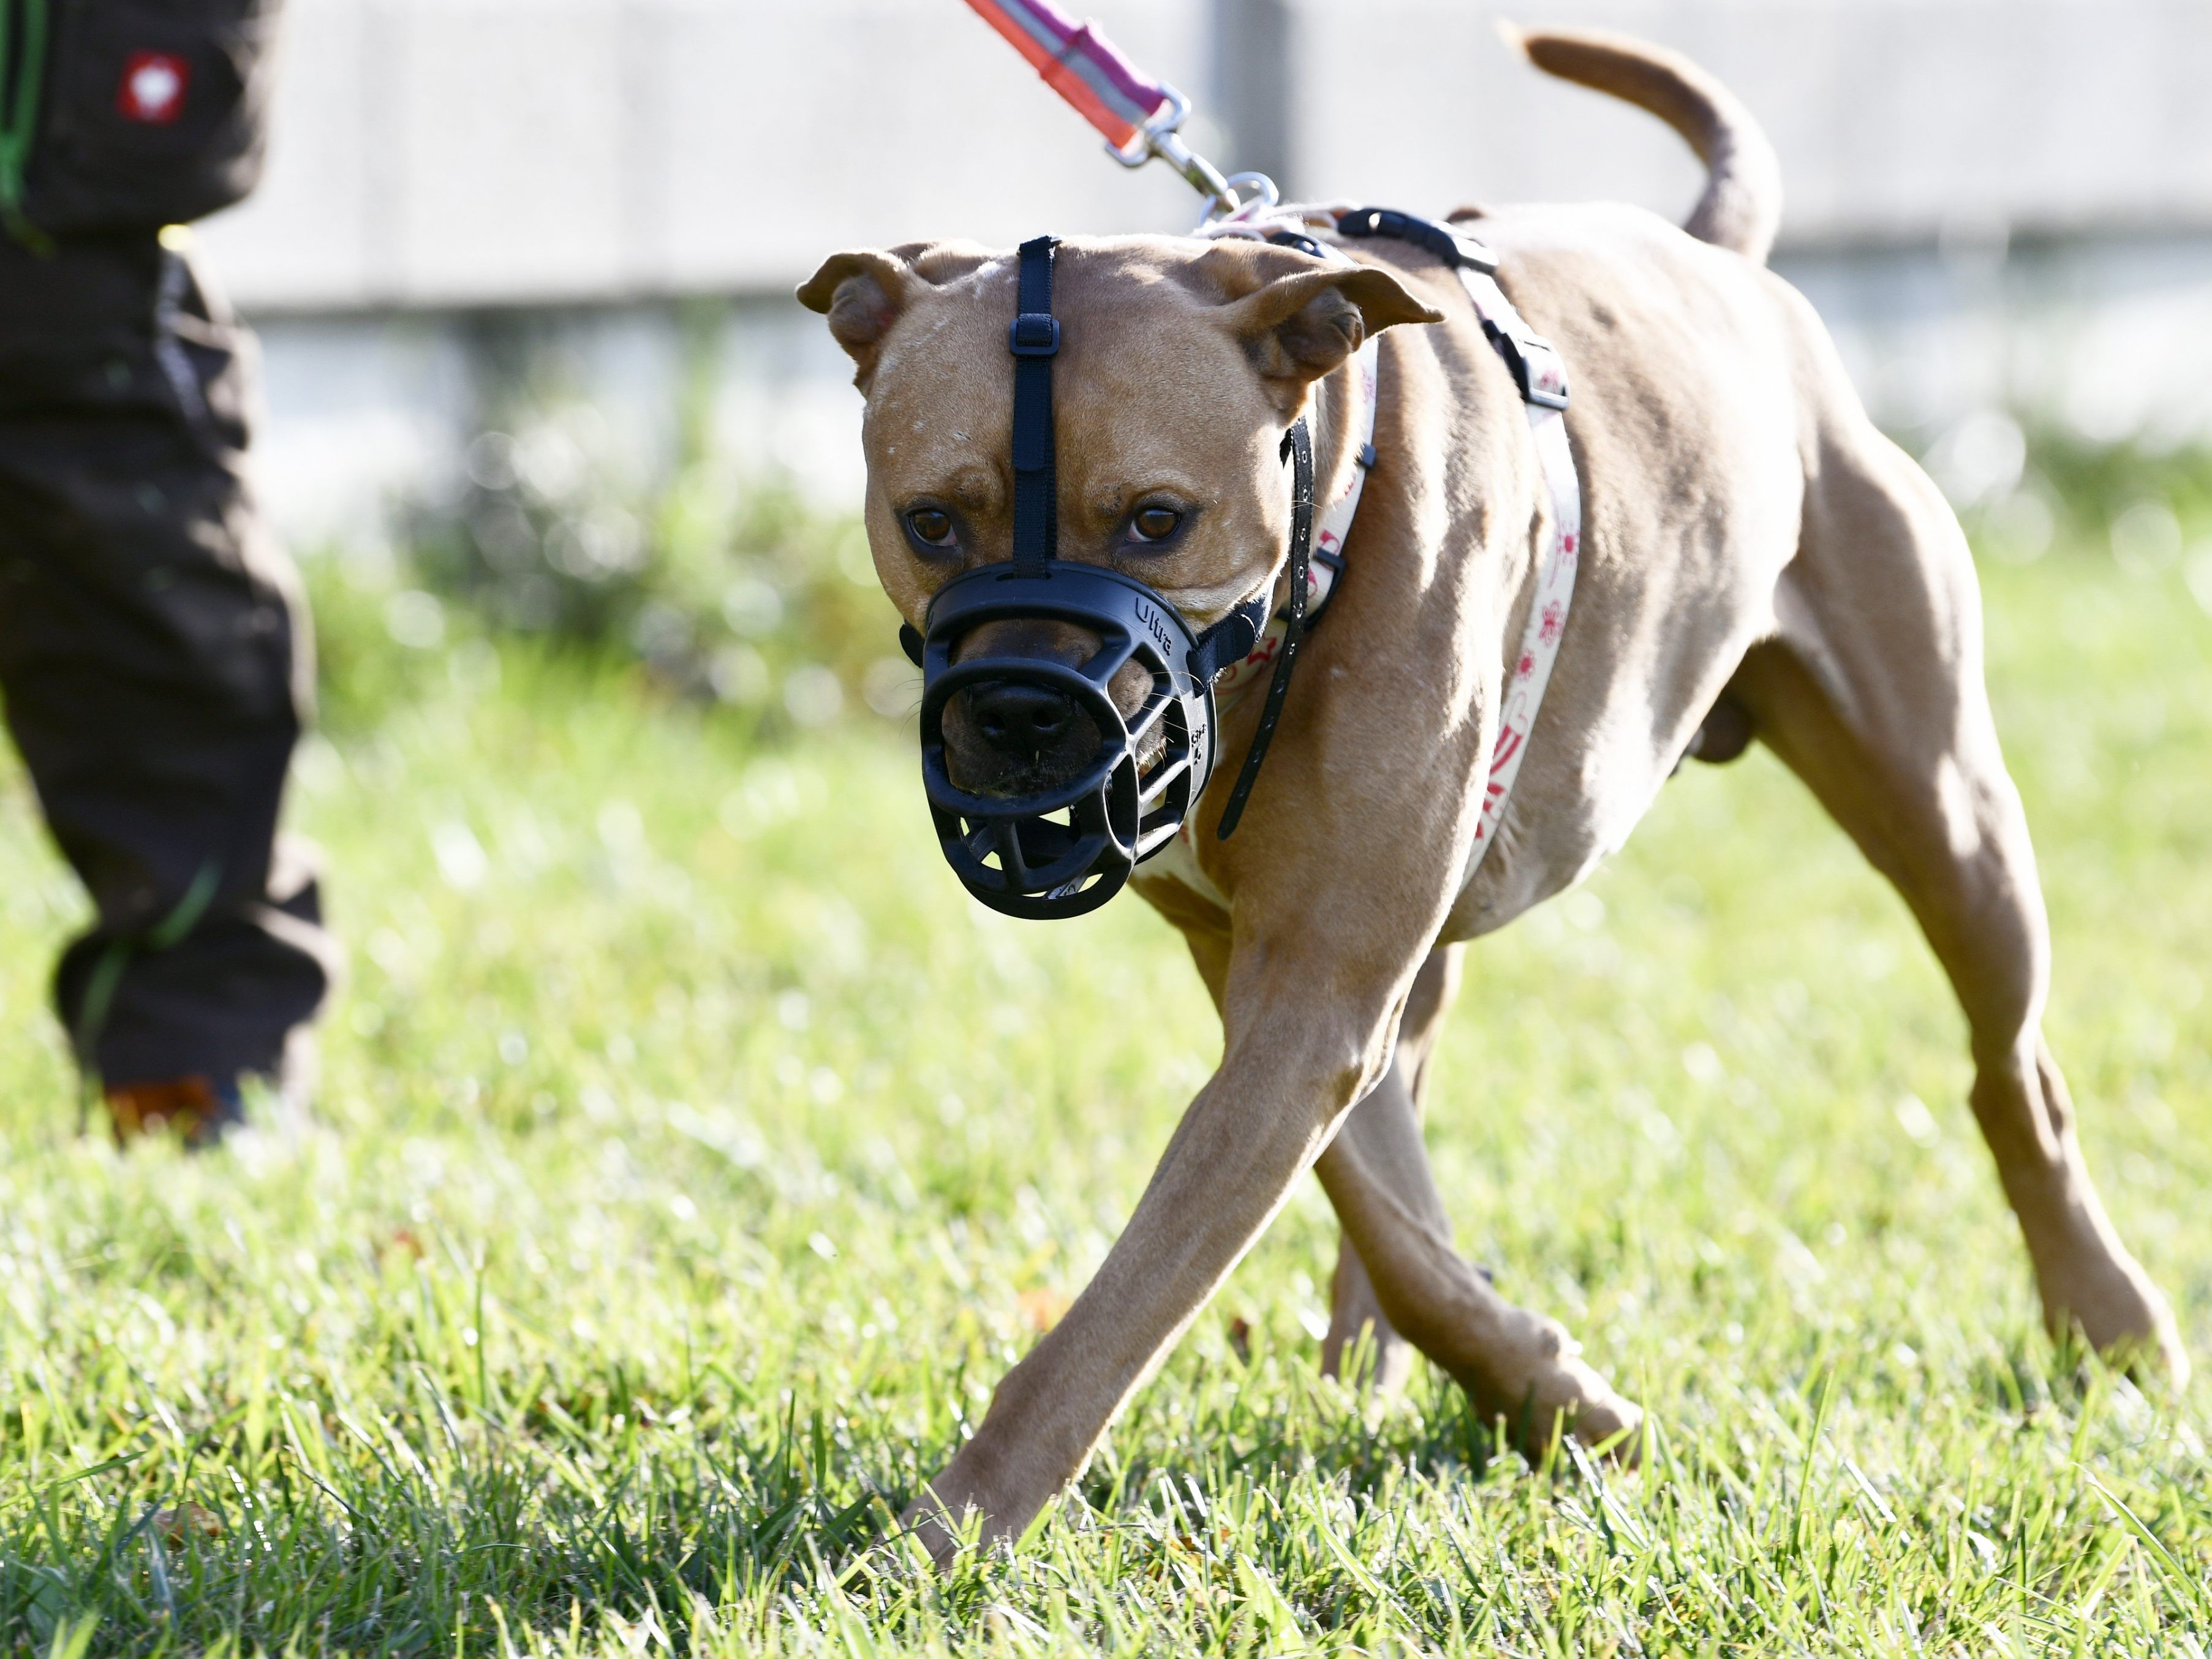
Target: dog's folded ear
{"points": [[862, 294], [1298, 322], [865, 291]]}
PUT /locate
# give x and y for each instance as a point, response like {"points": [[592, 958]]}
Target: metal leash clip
{"points": [[1161, 137]]}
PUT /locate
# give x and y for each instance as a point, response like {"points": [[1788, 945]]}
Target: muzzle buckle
{"points": [[1034, 335]]}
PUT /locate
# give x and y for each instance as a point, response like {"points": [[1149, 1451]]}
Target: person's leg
{"points": [[157, 663]]}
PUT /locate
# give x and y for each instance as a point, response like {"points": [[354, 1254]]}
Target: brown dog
{"points": [[1758, 560]]}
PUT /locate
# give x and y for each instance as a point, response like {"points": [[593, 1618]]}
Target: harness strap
{"points": [[1541, 379], [1297, 443], [1543, 386], [1448, 244]]}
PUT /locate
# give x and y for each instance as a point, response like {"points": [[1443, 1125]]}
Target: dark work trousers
{"points": [[156, 662]]}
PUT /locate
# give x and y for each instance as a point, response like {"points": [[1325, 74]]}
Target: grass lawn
{"points": [[694, 1158]]}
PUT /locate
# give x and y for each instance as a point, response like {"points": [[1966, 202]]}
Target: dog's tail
{"points": [[1742, 203]]}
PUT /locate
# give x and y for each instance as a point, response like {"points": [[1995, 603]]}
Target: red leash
{"points": [[1138, 115], [1080, 63]]}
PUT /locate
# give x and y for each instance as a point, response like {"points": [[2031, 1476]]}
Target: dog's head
{"points": [[1182, 365]]}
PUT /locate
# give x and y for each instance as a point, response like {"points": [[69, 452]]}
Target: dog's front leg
{"points": [[1289, 1072]]}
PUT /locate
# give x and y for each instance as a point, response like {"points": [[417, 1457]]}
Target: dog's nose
{"points": [[1022, 720]]}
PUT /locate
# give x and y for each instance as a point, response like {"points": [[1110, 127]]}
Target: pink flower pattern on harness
{"points": [[1555, 570]]}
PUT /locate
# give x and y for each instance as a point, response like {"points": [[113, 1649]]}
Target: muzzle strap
{"points": [[1034, 338], [1299, 442], [1231, 638]]}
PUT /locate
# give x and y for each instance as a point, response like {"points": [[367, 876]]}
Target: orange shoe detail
{"points": [[189, 1107]]}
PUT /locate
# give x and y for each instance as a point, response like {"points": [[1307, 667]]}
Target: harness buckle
{"points": [[1533, 364], [1298, 240], [1033, 334], [1458, 251]]}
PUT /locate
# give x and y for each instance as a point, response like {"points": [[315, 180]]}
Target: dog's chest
{"points": [[1176, 864]]}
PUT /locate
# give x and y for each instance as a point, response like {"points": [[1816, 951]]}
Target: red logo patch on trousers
{"points": [[152, 90]]}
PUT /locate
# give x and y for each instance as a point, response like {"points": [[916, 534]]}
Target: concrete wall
{"points": [[1897, 121], [436, 153], [1993, 202], [459, 152]]}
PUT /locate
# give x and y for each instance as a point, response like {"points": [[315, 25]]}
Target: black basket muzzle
{"points": [[1067, 849], [1062, 850]]}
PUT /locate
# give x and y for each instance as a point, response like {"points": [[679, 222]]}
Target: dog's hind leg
{"points": [[1356, 1324], [1873, 694]]}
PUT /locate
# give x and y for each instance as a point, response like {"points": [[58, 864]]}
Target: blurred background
{"points": [[523, 267], [702, 1154]]}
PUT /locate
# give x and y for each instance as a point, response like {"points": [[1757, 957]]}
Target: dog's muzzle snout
{"points": [[1008, 738], [1023, 722]]}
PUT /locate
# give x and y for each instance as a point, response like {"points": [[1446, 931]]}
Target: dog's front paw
{"points": [[1541, 1384], [1608, 1419], [941, 1527], [968, 1503], [2103, 1294]]}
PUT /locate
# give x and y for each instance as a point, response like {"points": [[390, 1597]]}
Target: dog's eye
{"points": [[1155, 523], [931, 526]]}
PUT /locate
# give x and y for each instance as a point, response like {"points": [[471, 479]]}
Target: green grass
{"points": [[690, 1174]]}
